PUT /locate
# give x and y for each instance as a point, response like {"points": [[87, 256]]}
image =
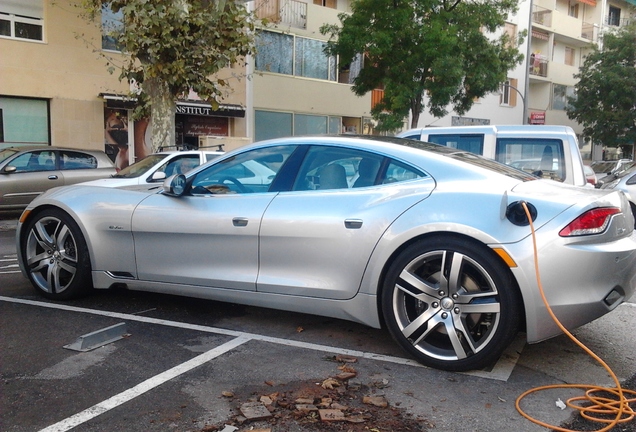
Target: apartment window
{"points": [[293, 55], [22, 19], [560, 95], [573, 10], [24, 121], [569, 56], [333, 4], [508, 96], [271, 124], [112, 25], [511, 31], [614, 18]]}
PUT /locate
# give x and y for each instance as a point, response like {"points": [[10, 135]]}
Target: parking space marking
{"points": [[143, 387], [500, 372]]}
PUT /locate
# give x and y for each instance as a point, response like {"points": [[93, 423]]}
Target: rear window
{"points": [[541, 157], [473, 143], [70, 160]]}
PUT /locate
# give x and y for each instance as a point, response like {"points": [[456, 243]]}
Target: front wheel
{"points": [[451, 303], [56, 256]]}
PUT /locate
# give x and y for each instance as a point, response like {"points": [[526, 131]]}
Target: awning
{"points": [[593, 2], [631, 2], [187, 107], [540, 35]]}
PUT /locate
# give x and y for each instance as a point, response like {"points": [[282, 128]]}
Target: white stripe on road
{"points": [[501, 371], [141, 388]]}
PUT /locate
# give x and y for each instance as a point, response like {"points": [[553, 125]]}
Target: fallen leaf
{"points": [[299, 329], [227, 394], [378, 401], [330, 383], [346, 358]]}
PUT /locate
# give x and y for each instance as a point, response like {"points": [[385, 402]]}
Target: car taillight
{"points": [[591, 222]]}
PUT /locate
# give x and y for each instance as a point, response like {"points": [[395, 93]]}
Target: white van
{"points": [[548, 151]]}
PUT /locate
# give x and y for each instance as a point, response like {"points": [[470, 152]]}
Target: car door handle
{"points": [[52, 177], [239, 221], [353, 223]]}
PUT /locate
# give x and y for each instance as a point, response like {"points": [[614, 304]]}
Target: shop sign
{"points": [[537, 118]]}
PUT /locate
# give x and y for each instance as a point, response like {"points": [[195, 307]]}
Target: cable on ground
{"points": [[598, 403]]}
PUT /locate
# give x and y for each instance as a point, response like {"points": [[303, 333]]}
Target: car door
{"points": [[316, 240], [35, 172], [207, 238]]}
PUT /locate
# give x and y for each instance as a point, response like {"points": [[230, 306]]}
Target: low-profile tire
{"points": [[56, 257], [451, 303]]}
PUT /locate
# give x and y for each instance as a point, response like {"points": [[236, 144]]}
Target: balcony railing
{"points": [[588, 31], [542, 16], [538, 66], [620, 22], [289, 12]]}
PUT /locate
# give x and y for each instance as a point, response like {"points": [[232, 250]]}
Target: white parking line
{"points": [[143, 387], [501, 371]]}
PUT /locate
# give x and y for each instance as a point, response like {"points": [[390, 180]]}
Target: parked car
{"points": [[606, 171], [547, 151], [26, 172], [151, 171], [624, 181], [433, 242], [590, 175]]}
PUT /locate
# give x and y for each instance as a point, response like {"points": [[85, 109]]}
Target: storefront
{"points": [[194, 120]]}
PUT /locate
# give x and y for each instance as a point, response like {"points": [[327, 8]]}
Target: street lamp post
{"points": [[523, 99]]}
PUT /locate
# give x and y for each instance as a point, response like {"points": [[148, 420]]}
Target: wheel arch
{"points": [[435, 235]]}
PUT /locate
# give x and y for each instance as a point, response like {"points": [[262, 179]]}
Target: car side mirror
{"points": [[175, 185], [9, 169], [158, 175]]}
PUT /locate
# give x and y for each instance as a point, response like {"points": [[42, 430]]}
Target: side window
{"points": [[542, 157], [398, 172], [180, 165], [70, 160], [471, 143], [35, 161], [249, 172], [341, 168]]}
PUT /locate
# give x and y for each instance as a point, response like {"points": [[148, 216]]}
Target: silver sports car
{"points": [[431, 242]]}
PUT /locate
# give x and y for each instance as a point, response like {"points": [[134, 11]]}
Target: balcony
{"points": [[542, 16], [287, 12], [538, 66]]}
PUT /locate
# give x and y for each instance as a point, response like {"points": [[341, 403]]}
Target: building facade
{"points": [[55, 87]]}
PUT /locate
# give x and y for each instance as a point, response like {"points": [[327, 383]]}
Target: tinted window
{"points": [[327, 167], [248, 172], [70, 160], [34, 161], [542, 157], [472, 143]]}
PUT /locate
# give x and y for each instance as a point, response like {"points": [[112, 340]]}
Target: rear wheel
{"points": [[56, 256], [451, 303]]}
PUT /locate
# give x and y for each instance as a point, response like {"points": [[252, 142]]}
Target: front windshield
{"points": [[6, 153], [141, 167]]}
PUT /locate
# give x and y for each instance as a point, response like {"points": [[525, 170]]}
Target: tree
{"points": [[173, 46], [435, 48], [605, 101]]}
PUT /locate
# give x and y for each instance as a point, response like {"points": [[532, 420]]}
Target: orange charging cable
{"points": [[598, 401]]}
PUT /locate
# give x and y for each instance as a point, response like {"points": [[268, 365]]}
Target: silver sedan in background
{"points": [[26, 172], [433, 242]]}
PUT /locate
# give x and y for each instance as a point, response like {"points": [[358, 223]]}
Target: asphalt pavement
{"points": [[187, 365]]}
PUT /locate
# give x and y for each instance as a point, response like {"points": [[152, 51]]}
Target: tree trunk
{"points": [[162, 114]]}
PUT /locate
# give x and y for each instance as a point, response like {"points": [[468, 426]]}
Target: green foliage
{"points": [[181, 43], [425, 47], [605, 102]]}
